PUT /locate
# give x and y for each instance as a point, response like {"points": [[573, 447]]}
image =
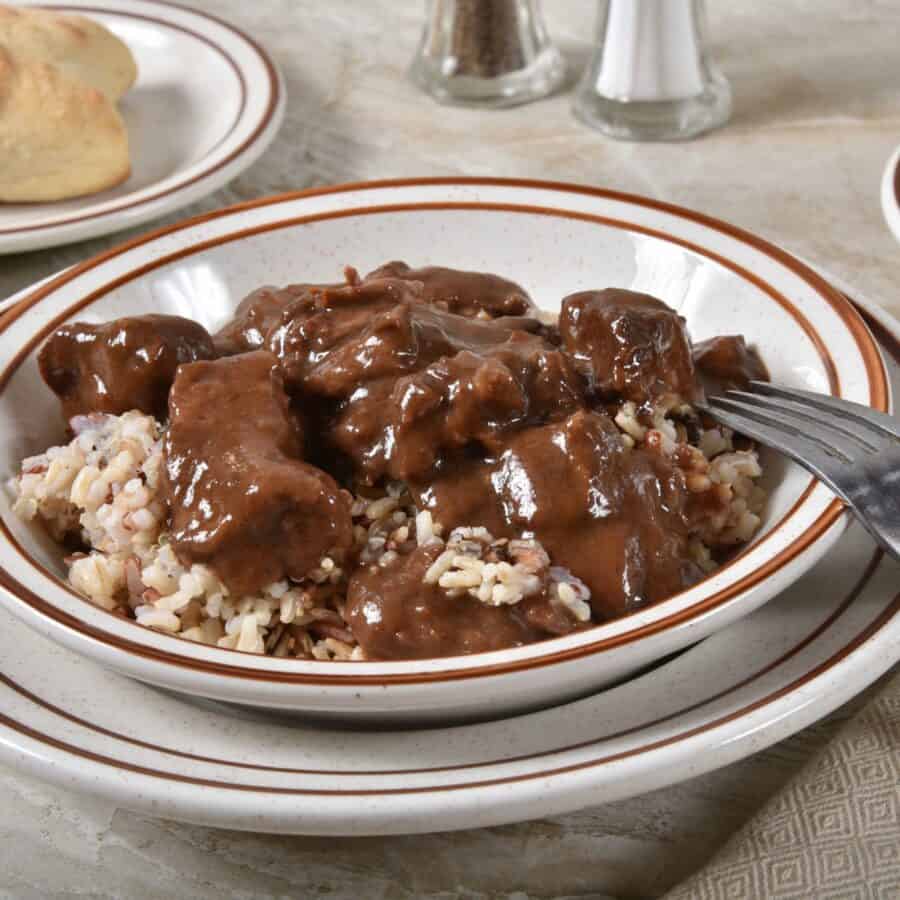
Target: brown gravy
{"points": [[440, 378], [616, 519], [125, 364], [463, 293], [242, 500], [628, 345], [394, 615], [728, 362]]}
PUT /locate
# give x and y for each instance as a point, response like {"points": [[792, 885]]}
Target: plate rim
{"points": [[554, 789], [128, 213], [876, 559]]}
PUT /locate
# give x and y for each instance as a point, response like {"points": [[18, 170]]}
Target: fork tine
{"points": [[795, 445], [866, 439], [791, 429], [881, 422]]}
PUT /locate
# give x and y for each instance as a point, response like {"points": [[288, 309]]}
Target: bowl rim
{"points": [[890, 193], [832, 513]]}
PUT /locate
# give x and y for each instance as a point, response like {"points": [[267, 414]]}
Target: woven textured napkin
{"points": [[832, 832]]}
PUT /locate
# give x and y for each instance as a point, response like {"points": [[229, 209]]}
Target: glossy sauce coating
{"points": [[124, 364], [242, 500], [628, 345], [399, 382], [465, 386], [394, 615], [257, 314], [440, 378], [729, 362], [615, 518], [463, 293]]}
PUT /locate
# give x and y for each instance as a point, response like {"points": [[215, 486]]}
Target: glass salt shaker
{"points": [[650, 78], [488, 53]]}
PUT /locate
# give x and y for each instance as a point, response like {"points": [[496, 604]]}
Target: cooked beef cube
{"points": [[331, 339], [124, 364], [615, 518], [242, 500], [629, 346], [728, 361], [476, 397], [464, 293], [417, 382], [395, 615], [258, 314]]}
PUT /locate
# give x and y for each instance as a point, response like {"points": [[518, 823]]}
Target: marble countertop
{"points": [[816, 117]]}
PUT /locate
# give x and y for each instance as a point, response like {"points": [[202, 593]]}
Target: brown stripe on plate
{"points": [[879, 622], [820, 629]]}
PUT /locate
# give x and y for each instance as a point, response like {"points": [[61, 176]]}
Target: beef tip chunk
{"points": [[393, 614], [418, 382], [256, 315], [121, 365], [242, 501], [470, 397], [617, 519], [330, 340], [629, 346], [391, 383], [729, 362], [259, 313], [470, 294]]}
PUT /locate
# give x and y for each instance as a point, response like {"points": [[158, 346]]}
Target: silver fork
{"points": [[851, 448]]}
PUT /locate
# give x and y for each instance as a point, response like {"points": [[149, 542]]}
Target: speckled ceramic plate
{"points": [[68, 720], [890, 193], [207, 102], [554, 238]]}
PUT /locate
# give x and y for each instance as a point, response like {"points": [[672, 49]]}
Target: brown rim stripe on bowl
{"points": [[832, 295], [883, 336], [271, 105], [879, 398], [879, 622], [159, 262], [820, 629], [825, 521], [101, 635]]}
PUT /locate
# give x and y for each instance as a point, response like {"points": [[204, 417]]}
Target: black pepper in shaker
{"points": [[486, 53]]}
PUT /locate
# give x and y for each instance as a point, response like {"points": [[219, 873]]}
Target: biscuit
{"points": [[59, 137], [82, 49]]}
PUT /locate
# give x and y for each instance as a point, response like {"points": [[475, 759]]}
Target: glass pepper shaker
{"points": [[650, 78], [488, 53]]}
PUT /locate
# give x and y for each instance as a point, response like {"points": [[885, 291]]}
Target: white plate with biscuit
{"points": [[103, 128]]}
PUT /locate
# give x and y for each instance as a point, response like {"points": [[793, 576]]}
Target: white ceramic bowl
{"points": [[552, 238], [890, 193]]}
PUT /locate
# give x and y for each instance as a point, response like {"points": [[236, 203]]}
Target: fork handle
{"points": [[877, 506]]}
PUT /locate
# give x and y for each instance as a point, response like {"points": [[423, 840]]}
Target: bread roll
{"points": [[82, 49], [59, 138]]}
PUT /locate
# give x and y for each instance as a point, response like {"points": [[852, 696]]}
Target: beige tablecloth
{"points": [[817, 113], [833, 831]]}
